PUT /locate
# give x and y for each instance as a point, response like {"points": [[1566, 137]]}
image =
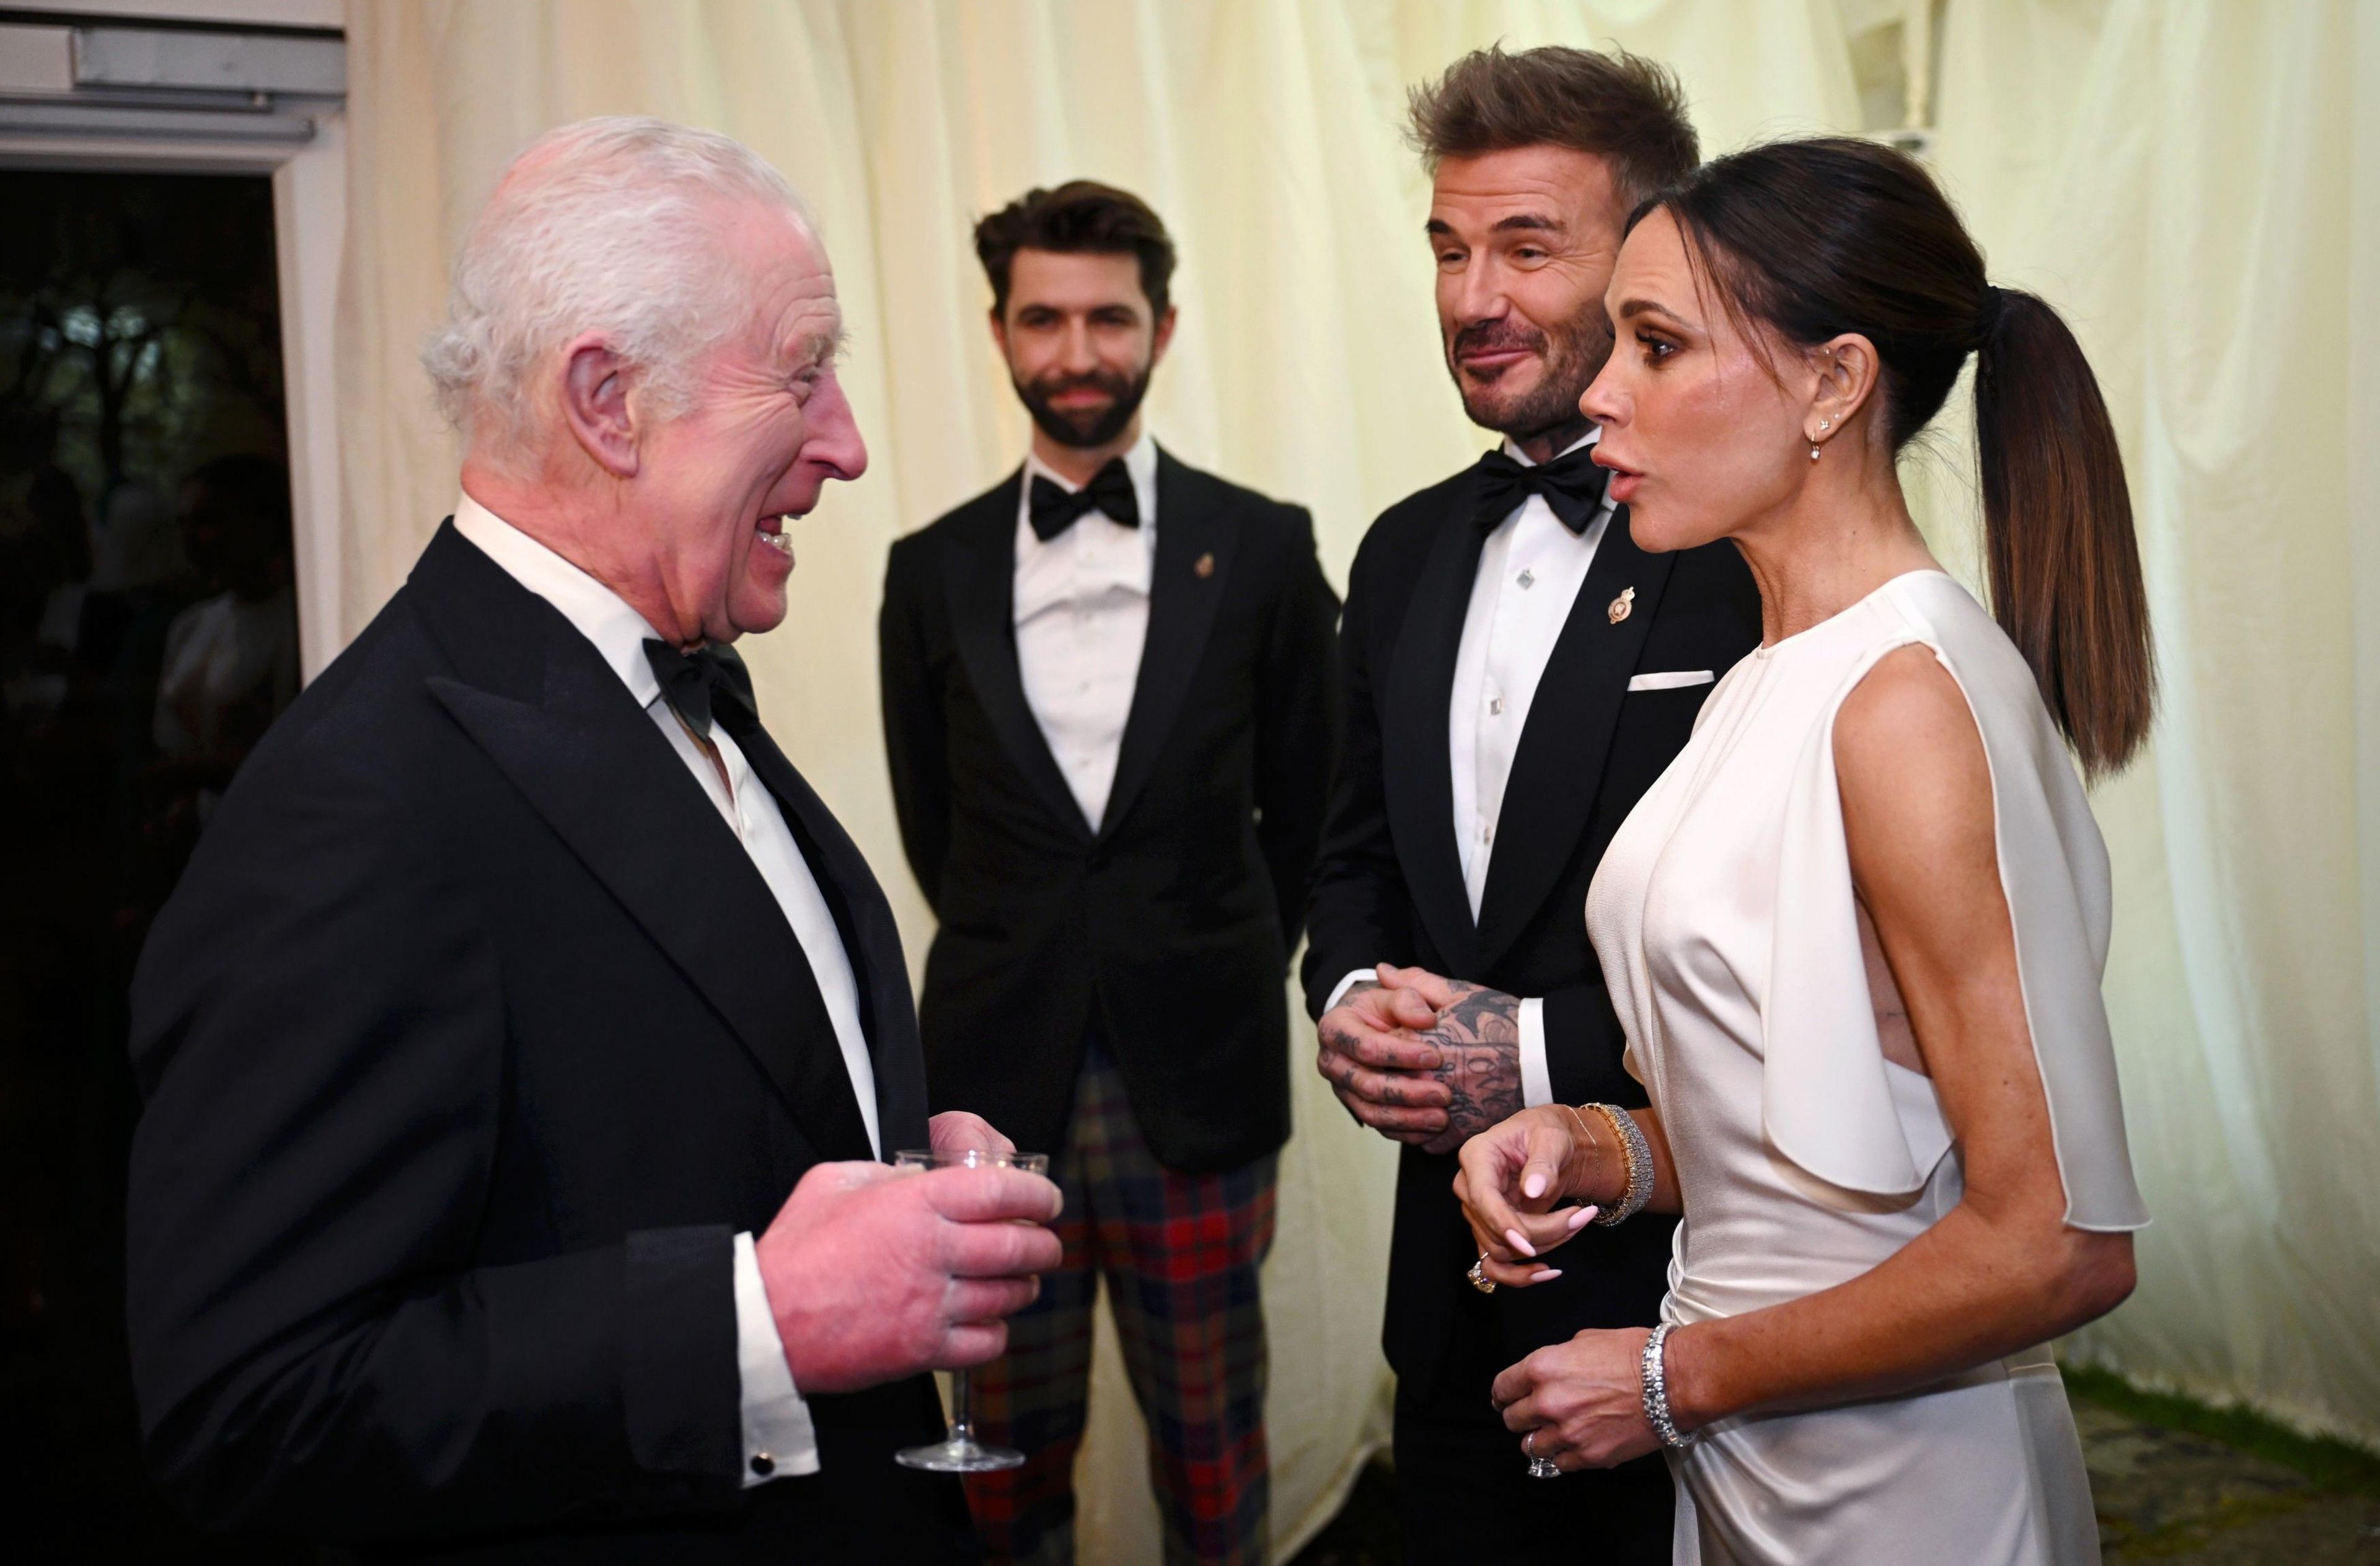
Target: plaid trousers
{"points": [[1180, 1253]]}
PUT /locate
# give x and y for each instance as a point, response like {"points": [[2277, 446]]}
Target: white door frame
{"points": [[310, 217]]}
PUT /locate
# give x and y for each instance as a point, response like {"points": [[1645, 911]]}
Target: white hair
{"points": [[609, 225]]}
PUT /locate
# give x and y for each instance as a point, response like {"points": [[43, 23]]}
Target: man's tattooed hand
{"points": [[1423, 1060], [1477, 1037], [1375, 1060]]}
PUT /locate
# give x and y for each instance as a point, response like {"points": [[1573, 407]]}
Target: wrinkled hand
{"points": [[1512, 1176], [955, 1131], [1582, 1398], [1377, 1063], [1477, 1033], [875, 1273]]}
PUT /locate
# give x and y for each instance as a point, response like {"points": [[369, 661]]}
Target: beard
{"points": [[1573, 355], [1091, 427]]}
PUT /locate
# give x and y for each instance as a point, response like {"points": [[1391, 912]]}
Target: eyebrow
{"points": [[822, 346], [1536, 222], [1645, 307]]}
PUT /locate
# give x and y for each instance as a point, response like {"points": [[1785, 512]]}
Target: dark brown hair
{"points": [[1620, 106], [1819, 238], [1079, 216]]}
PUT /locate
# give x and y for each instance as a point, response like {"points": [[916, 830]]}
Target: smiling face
{"points": [[1524, 241], [1702, 437], [1081, 342], [766, 426]]}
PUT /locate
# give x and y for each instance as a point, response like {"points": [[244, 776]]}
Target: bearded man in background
{"points": [[1107, 694]]}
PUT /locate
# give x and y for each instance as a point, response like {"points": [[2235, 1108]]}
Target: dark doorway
{"points": [[148, 635]]}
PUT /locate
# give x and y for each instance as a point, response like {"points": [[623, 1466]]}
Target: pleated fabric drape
{"points": [[2184, 177]]}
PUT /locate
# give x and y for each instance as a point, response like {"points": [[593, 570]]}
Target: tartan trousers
{"points": [[1180, 1253]]}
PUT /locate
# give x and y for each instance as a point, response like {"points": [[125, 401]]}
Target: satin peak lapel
{"points": [[1194, 542], [979, 583], [601, 774], [1416, 776], [1559, 765]]}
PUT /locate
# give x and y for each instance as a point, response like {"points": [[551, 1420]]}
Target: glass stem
{"points": [[961, 1408]]}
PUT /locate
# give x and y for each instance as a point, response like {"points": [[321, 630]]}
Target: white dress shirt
{"points": [[1081, 616], [777, 1428], [1531, 568]]}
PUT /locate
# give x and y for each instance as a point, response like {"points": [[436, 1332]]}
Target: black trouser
{"points": [[1463, 1490]]}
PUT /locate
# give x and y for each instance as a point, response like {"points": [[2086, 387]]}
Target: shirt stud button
{"points": [[1528, 578], [1495, 706], [763, 1465]]}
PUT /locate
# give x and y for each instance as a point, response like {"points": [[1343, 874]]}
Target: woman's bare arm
{"points": [[2002, 1271]]}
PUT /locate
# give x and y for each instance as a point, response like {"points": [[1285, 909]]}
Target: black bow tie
{"points": [[1572, 484], [1057, 508], [706, 680]]}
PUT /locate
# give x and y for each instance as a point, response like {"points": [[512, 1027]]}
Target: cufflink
{"points": [[763, 1465]]}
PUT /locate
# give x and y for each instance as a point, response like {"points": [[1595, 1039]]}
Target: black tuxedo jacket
{"points": [[1388, 886], [470, 1039], [1172, 925]]}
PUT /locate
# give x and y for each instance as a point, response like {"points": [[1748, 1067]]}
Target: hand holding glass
{"points": [[961, 1452]]}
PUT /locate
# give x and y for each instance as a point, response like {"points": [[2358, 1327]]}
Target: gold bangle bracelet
{"points": [[1584, 1130]]}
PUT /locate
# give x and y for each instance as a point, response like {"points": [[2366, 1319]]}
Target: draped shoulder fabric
{"points": [[1757, 1002], [1827, 1097]]}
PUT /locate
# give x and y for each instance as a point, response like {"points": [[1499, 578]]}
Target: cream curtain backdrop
{"points": [[2177, 174], [2196, 185]]}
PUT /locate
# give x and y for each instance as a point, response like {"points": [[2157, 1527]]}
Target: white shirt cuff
{"points": [[778, 1437], [1536, 1081], [1361, 976]]}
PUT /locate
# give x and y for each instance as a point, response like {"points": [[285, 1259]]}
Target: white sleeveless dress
{"points": [[1756, 1001]]}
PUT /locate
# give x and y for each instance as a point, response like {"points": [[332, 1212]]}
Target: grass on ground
{"points": [[2339, 1466]]}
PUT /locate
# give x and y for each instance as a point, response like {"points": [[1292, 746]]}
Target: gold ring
{"points": [[1479, 1279]]}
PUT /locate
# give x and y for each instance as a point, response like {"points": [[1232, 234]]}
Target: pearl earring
{"points": [[1814, 452]]}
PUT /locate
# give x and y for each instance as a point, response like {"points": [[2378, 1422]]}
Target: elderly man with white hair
{"points": [[522, 1043]]}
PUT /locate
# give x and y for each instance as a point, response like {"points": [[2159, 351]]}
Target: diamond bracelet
{"points": [[1639, 1154], [1656, 1390]]}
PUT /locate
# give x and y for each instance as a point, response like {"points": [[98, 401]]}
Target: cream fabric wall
{"points": [[2196, 185], [2178, 172]]}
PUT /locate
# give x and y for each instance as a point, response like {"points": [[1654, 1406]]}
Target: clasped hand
{"points": [[1421, 1059], [1584, 1399], [874, 1274]]}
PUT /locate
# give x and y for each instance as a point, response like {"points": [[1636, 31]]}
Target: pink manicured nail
{"points": [[1520, 1243], [1544, 1275], [1533, 1186], [1582, 1217]]}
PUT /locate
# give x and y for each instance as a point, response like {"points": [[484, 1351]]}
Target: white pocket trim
{"points": [[1678, 679]]}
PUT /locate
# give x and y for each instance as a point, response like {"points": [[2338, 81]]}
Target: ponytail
{"points": [[1820, 237], [2058, 530]]}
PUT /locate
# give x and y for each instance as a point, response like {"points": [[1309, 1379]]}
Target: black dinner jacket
{"points": [[469, 1040], [1171, 925], [1388, 884]]}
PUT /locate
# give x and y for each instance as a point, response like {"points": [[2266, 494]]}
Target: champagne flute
{"points": [[960, 1452]]}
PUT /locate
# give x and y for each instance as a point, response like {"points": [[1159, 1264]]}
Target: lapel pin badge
{"points": [[1206, 566], [1623, 606]]}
